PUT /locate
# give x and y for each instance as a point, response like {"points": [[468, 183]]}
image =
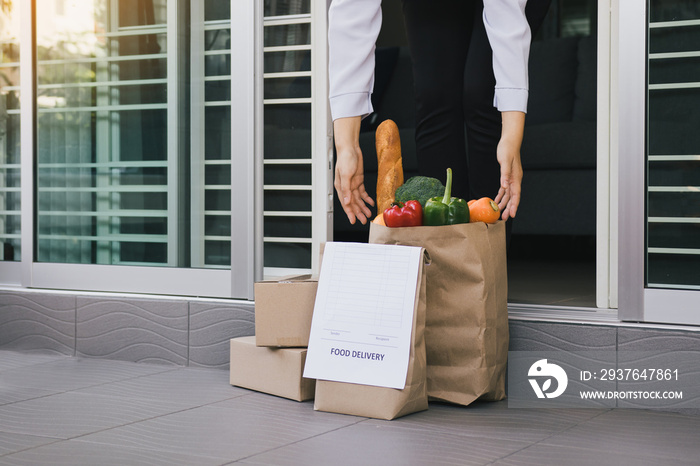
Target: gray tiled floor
{"points": [[58, 410]]}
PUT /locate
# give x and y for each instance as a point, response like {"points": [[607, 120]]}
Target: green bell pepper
{"points": [[446, 210]]}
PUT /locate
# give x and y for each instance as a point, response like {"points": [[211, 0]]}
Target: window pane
{"points": [[281, 88], [674, 10], [673, 163], [9, 134], [293, 201], [673, 204], [288, 131], [288, 34], [685, 39], [105, 184], [673, 269], [117, 181], [216, 10], [287, 7], [288, 255], [674, 173], [297, 174], [288, 182], [673, 114], [292, 60], [674, 235], [673, 70], [289, 227], [210, 202], [217, 65]]}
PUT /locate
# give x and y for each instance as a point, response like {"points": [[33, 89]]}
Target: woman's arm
{"points": [[508, 155], [509, 35], [353, 28], [349, 170], [352, 33]]}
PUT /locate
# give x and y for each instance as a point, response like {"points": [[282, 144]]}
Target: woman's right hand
{"points": [[349, 170], [508, 155]]}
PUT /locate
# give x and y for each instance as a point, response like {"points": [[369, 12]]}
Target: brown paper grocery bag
{"points": [[467, 310], [382, 402]]}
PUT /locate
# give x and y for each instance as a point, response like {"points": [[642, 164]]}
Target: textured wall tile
{"points": [[132, 330], [541, 336], [674, 353], [37, 321], [644, 339], [212, 325]]}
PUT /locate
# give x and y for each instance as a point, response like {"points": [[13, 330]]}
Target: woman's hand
{"points": [[508, 155], [349, 170]]}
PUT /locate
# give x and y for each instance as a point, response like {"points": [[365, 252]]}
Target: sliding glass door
{"points": [[660, 162], [107, 179], [165, 147], [10, 165]]}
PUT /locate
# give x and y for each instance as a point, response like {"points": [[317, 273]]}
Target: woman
{"points": [[458, 82]]}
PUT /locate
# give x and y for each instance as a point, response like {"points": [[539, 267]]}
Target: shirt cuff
{"points": [[510, 99], [351, 105]]}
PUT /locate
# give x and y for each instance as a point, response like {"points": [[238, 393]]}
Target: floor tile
{"points": [[68, 415], [584, 455], [15, 359], [115, 412], [186, 387], [664, 436], [74, 373], [9, 394], [76, 453], [499, 422], [11, 443], [369, 443], [230, 430]]}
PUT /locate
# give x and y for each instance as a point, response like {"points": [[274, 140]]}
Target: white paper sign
{"points": [[363, 315]]}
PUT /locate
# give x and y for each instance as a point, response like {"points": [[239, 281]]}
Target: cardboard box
{"points": [[277, 371], [283, 311]]}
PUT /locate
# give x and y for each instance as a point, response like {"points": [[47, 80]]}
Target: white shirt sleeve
{"points": [[509, 34], [353, 27]]}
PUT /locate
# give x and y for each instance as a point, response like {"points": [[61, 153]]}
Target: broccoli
{"points": [[419, 188]]}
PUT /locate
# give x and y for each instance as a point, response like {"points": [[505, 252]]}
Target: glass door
{"points": [[10, 186], [664, 280], [112, 167], [167, 147]]}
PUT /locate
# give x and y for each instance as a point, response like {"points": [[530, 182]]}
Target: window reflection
{"points": [[673, 163], [103, 191], [9, 132]]}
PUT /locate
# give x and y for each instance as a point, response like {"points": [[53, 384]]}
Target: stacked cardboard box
{"points": [[273, 360]]}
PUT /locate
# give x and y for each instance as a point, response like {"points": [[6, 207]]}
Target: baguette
{"points": [[389, 163]]}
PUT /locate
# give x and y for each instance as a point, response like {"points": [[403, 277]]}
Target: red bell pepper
{"points": [[408, 214]]}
